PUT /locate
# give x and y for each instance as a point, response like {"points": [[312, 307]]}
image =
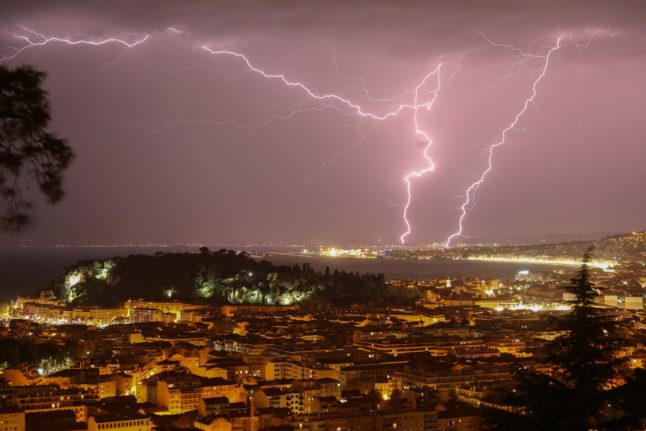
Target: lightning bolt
{"points": [[471, 190], [419, 131], [429, 142], [341, 103], [34, 39], [361, 79], [352, 106], [359, 110]]}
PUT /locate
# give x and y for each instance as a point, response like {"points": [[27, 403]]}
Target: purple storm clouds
{"points": [[207, 121]]}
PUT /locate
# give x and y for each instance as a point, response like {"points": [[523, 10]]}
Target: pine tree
{"points": [[28, 152], [586, 355], [583, 390]]}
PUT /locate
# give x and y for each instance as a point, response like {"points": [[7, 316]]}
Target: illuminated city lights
{"points": [[268, 217]]}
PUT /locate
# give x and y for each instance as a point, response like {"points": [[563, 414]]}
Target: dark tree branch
{"points": [[28, 152]]}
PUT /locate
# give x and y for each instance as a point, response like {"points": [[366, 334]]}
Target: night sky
{"points": [[175, 144]]}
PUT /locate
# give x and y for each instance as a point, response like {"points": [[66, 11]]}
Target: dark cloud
{"points": [[400, 22]]}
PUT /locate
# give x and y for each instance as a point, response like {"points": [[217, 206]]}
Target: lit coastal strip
{"points": [[600, 264]]}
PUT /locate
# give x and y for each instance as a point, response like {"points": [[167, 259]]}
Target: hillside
{"points": [[224, 276]]}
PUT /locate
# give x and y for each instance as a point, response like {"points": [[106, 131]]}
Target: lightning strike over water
{"points": [[339, 102], [470, 192]]}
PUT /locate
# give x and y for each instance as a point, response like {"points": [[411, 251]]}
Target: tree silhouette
{"points": [[627, 403], [397, 400], [374, 398], [584, 390], [28, 152]]}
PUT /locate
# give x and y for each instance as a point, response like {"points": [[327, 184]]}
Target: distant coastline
{"points": [[29, 269]]}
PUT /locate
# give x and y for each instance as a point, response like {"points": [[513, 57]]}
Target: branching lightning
{"points": [[354, 107], [359, 110], [34, 39], [428, 142], [423, 100], [361, 79], [470, 192]]}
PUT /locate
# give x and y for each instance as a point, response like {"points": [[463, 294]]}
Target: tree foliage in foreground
{"points": [[28, 152], [589, 388]]}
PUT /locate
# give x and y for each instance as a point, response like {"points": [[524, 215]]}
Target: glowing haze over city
{"points": [[338, 122]]}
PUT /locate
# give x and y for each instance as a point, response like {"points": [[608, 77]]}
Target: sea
{"points": [[27, 270]]}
